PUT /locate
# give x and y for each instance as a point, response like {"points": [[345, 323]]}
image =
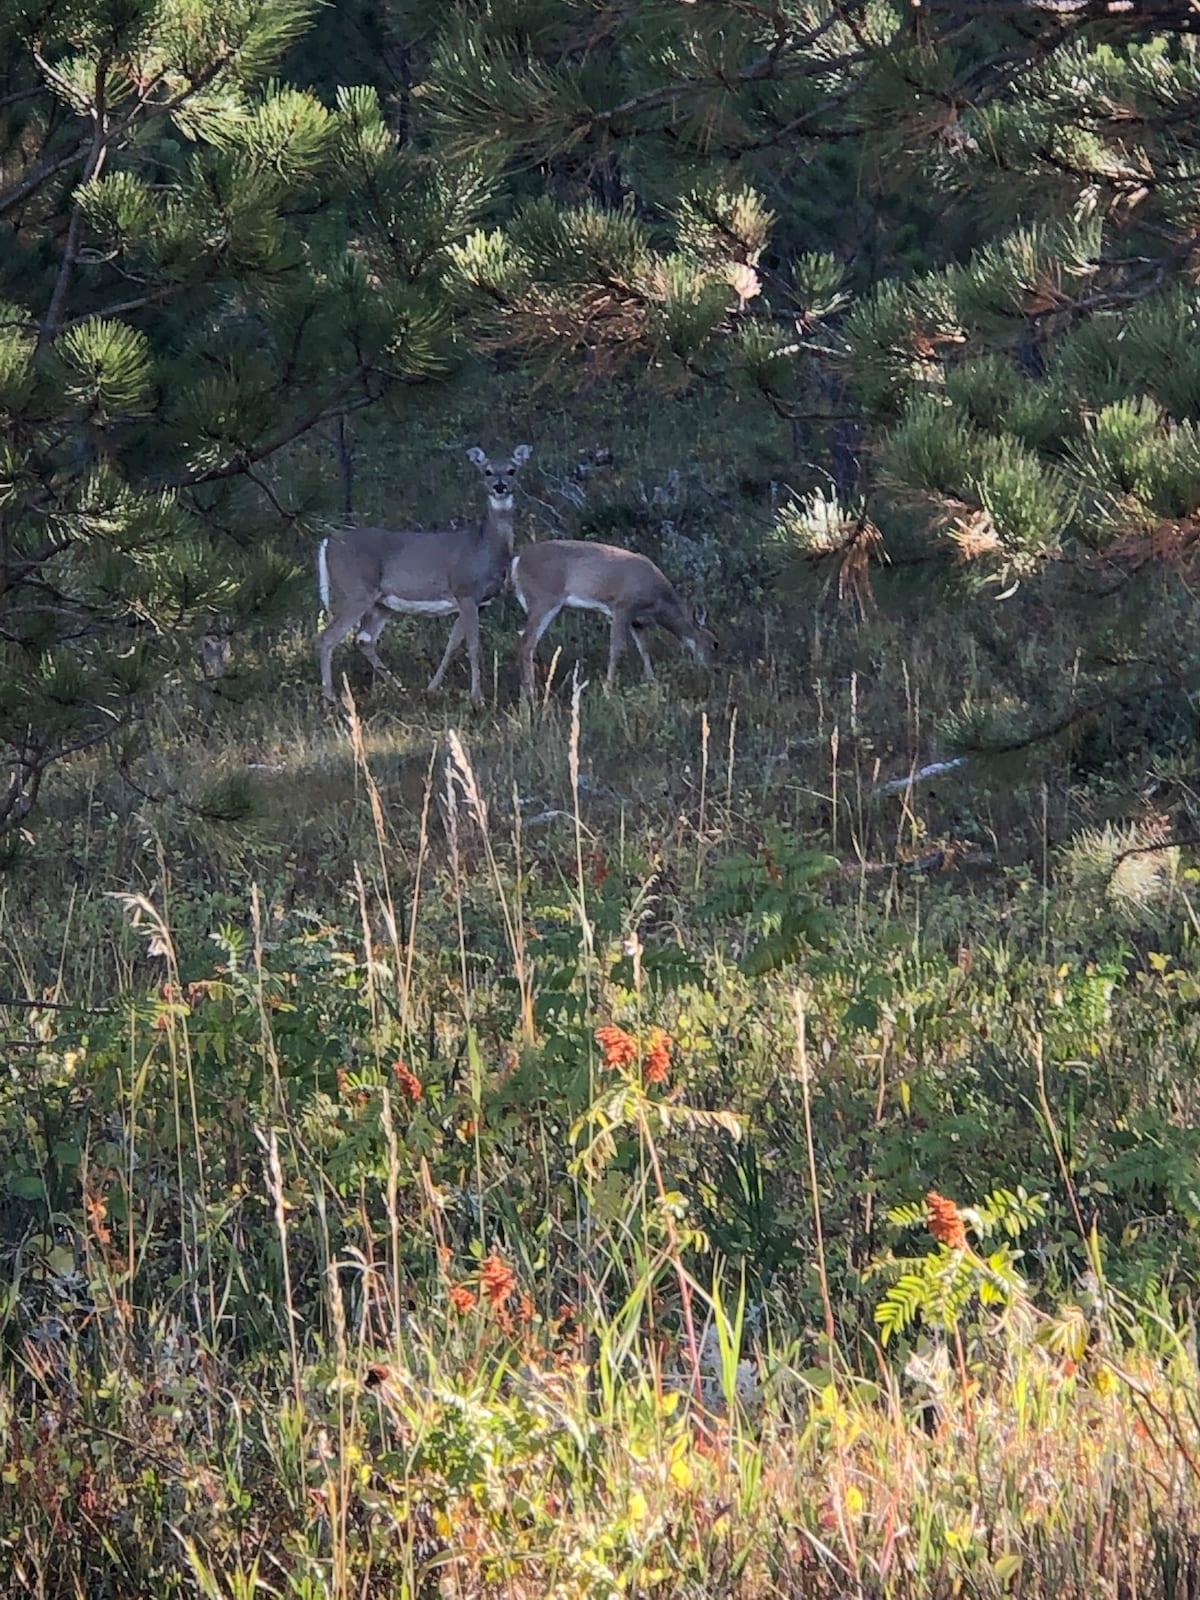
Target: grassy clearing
{"points": [[343, 1258]]}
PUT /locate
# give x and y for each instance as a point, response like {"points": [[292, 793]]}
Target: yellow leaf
{"points": [[854, 1501], [681, 1474], [638, 1509], [1007, 1566], [1106, 1381], [905, 1095], [61, 1260], [668, 1403]]}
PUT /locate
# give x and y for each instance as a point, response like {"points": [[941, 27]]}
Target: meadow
{"points": [[648, 1145]]}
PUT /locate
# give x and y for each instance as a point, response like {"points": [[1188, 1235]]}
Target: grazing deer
{"points": [[627, 587], [368, 574]]}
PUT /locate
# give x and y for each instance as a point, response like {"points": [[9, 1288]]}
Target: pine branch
{"points": [[153, 297], [12, 578], [29, 186], [280, 509], [33, 762], [987, 79], [1187, 841], [1182, 16], [19, 96], [143, 109], [95, 162], [770, 68], [1070, 718], [791, 56], [330, 406]]}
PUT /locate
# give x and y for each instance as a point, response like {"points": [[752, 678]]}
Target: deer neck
{"points": [[498, 524]]}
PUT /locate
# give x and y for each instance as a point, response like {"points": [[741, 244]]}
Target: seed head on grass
{"points": [[944, 1222]]}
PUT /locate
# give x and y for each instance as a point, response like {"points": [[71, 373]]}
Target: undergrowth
{"points": [[634, 1145], [557, 1224]]}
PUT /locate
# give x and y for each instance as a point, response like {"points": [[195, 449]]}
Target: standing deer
{"points": [[628, 588], [366, 575]]}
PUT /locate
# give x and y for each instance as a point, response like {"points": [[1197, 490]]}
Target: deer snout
{"points": [[708, 649]]}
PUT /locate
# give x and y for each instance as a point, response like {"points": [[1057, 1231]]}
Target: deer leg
{"points": [[368, 632], [469, 620], [530, 639], [618, 639], [457, 635], [342, 623], [647, 668], [525, 658]]}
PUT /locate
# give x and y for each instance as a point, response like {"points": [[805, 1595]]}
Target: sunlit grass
{"points": [[337, 1259]]}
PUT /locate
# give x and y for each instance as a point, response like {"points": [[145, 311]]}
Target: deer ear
{"points": [[700, 615], [476, 456], [522, 454]]}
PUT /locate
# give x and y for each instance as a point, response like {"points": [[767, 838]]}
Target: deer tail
{"points": [[323, 571]]}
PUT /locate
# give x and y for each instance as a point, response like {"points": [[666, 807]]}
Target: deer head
{"points": [[499, 477], [703, 643]]}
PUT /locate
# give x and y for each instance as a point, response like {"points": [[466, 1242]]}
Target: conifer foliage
{"points": [[198, 264], [1013, 321], [680, 140], [955, 242]]}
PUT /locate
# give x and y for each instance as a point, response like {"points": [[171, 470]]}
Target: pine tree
{"points": [[1016, 335], [199, 263]]}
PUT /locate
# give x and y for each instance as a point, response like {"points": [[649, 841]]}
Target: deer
{"points": [[627, 587], [366, 575]]}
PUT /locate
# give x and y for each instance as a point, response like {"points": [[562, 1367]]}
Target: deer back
{"points": [[419, 565], [597, 574]]}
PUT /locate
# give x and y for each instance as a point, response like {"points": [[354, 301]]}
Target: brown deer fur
{"points": [[628, 588]]}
